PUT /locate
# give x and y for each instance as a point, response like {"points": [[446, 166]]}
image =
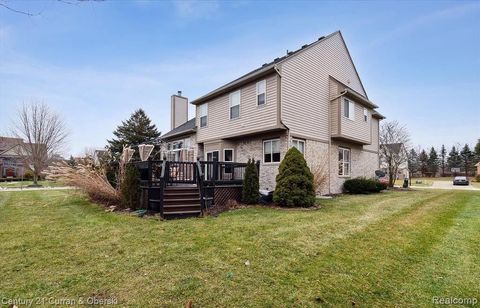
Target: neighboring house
{"points": [[311, 98], [478, 168], [11, 162], [400, 150]]}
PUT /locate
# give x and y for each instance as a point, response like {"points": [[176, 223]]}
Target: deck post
{"points": [[149, 182], [215, 169]]}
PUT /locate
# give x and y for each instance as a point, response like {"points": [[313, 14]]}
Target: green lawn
{"points": [[389, 249], [18, 184]]}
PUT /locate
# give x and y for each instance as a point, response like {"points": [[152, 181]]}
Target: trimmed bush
{"points": [[294, 181], [130, 188], [250, 191], [363, 185], [380, 186], [28, 175]]}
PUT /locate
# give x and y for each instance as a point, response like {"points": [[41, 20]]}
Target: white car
{"points": [[461, 180]]}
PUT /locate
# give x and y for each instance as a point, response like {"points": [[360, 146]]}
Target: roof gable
{"points": [[269, 68], [352, 70]]}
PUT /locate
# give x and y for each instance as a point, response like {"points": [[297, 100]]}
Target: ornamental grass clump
{"points": [[87, 177], [294, 182]]}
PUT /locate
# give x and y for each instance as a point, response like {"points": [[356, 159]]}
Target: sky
{"points": [[95, 62]]}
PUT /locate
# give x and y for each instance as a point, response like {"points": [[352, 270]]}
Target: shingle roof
{"points": [[264, 69], [186, 127]]}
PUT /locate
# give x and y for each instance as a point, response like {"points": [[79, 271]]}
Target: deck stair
{"points": [[181, 201]]}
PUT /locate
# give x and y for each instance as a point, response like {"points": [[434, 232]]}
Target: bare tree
{"points": [[44, 134], [394, 140]]}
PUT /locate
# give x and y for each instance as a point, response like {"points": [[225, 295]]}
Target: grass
{"points": [[389, 249], [18, 184]]}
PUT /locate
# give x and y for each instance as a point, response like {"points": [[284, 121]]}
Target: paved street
{"points": [[447, 185]]}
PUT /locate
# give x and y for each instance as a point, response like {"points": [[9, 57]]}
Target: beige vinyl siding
{"points": [[357, 129], [252, 117], [375, 136], [334, 90], [335, 116], [305, 86]]}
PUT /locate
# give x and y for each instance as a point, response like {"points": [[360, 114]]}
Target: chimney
{"points": [[178, 109]]}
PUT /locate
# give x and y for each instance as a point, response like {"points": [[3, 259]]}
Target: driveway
{"points": [[447, 185]]}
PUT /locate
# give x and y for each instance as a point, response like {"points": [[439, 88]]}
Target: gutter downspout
{"points": [[329, 143], [279, 89]]}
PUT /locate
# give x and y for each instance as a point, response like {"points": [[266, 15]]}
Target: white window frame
{"points": [[343, 163], [296, 143], [271, 149], [228, 169], [349, 112], [264, 82], [233, 154], [231, 103], [365, 114], [203, 113]]}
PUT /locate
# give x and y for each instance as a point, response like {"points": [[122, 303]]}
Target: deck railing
{"points": [[156, 174]]}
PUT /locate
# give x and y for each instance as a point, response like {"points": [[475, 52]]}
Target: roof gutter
{"points": [[359, 98]]}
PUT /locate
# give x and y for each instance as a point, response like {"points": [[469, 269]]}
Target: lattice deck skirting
{"points": [[223, 194]]}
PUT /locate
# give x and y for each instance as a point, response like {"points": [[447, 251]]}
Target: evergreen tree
{"points": [[136, 130], [294, 181], [130, 187], [443, 159], [477, 151], [467, 158], [454, 160], [250, 190], [433, 162], [423, 162], [413, 162]]}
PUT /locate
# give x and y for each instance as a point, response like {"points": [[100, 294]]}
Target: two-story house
{"points": [[311, 98]]}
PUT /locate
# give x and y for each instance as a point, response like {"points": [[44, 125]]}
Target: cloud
{"points": [[196, 9]]}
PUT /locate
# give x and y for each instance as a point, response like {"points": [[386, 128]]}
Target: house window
{"points": [[343, 162], [299, 144], [349, 109], [235, 105], [203, 115], [228, 157], [365, 114], [271, 151], [261, 92]]}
